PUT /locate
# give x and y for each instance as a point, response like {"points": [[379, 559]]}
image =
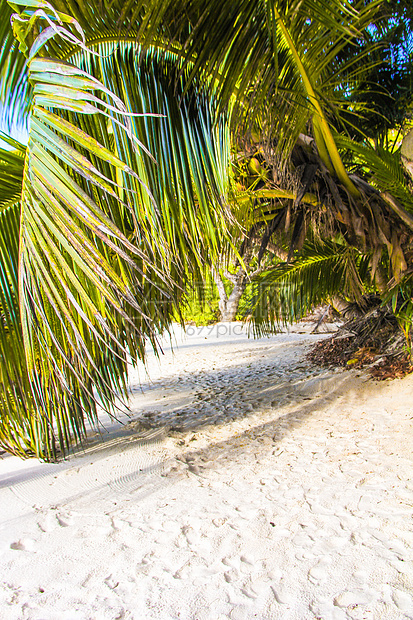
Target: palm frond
{"points": [[20, 426], [265, 56], [11, 171], [382, 167], [189, 141], [14, 103], [82, 283], [287, 292], [101, 262]]}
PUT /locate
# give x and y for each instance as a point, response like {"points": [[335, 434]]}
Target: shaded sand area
{"points": [[247, 484]]}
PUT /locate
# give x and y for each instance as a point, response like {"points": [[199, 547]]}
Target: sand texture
{"points": [[247, 484]]}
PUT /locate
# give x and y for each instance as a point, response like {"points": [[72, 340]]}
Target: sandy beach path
{"points": [[247, 484]]}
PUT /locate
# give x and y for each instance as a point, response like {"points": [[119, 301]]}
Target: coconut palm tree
{"points": [[299, 88], [98, 238]]}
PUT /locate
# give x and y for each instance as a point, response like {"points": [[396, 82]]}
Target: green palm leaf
{"points": [[270, 55], [11, 172], [99, 265], [384, 170], [82, 298], [13, 73], [288, 291]]}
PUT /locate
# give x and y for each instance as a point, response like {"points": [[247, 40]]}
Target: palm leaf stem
{"points": [[324, 139]]}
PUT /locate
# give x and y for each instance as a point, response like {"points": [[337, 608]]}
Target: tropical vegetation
{"points": [[168, 140]]}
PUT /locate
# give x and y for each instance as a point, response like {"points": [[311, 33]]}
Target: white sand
{"points": [[248, 485]]}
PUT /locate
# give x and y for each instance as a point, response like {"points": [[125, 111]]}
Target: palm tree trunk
{"points": [[223, 298], [228, 304], [233, 300]]}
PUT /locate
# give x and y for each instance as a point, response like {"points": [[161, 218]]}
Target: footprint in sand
{"points": [[239, 565], [249, 591], [191, 536], [111, 582], [319, 573], [64, 519], [354, 598], [258, 586], [324, 609], [48, 523], [118, 524], [145, 565], [403, 601], [23, 544], [303, 540], [53, 519], [183, 572], [202, 574], [282, 593], [245, 513], [240, 612], [231, 575]]}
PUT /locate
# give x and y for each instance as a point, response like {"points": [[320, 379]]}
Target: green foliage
{"points": [[386, 85], [201, 303], [382, 167], [289, 291], [102, 260], [401, 298]]}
